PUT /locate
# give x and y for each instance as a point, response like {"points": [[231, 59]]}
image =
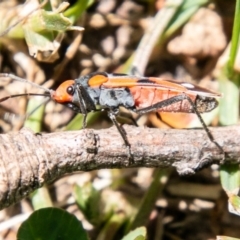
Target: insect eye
{"points": [[70, 90]]}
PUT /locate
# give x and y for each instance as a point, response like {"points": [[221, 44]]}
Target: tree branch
{"points": [[29, 160]]}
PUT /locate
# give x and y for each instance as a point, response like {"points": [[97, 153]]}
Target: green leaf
{"points": [[41, 198], [229, 109], [77, 121], [36, 111], [89, 201], [235, 39], [184, 12], [48, 21], [137, 234], [112, 226], [234, 204], [51, 224], [75, 11], [230, 177]]}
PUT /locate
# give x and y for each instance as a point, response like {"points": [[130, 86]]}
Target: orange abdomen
{"points": [[147, 96]]}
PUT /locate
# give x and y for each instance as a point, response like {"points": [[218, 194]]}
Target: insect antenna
{"points": [[47, 94], [24, 94], [12, 76]]}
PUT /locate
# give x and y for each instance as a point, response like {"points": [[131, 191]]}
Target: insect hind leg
{"points": [[180, 98], [209, 134]]}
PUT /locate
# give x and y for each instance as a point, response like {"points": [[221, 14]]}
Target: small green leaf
{"points": [[185, 11], [112, 226], [234, 204], [234, 40], [51, 224], [41, 198], [75, 11], [229, 109], [89, 201], [42, 45], [230, 177], [77, 121], [137, 234], [34, 121], [48, 21]]}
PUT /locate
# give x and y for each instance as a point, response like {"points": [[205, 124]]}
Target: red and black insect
{"points": [[138, 94]]}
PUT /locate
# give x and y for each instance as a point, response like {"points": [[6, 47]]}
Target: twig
{"points": [[29, 160]]}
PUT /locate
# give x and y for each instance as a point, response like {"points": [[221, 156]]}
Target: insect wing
{"points": [[123, 80], [149, 91]]}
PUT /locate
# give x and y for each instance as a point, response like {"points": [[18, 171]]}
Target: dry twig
{"points": [[29, 160]]}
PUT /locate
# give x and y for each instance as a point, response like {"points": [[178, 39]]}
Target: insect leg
{"points": [[83, 110], [84, 102], [209, 134], [112, 116], [179, 98], [82, 106], [162, 104]]}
